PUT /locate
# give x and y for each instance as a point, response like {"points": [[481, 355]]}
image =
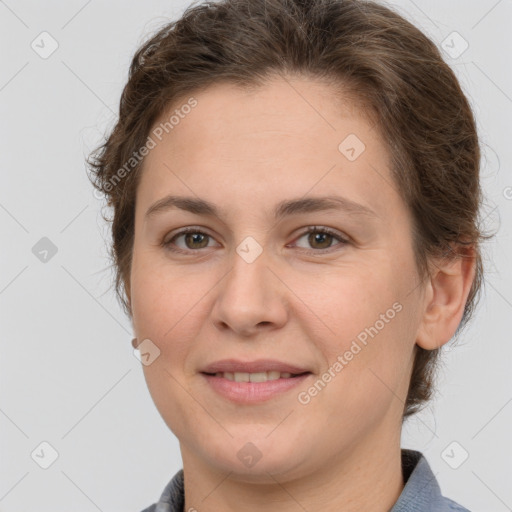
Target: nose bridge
{"points": [[249, 275], [250, 295]]}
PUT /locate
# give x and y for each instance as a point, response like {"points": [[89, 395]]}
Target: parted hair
{"points": [[361, 48]]}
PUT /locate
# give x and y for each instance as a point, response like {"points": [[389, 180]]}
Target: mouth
{"points": [[253, 382], [256, 376]]}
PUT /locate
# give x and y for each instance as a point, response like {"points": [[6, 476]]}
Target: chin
{"points": [[254, 458]]}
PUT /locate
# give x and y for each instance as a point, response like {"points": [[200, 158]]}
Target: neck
{"points": [[366, 477]]}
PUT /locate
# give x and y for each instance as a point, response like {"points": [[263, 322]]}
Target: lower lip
{"points": [[252, 392]]}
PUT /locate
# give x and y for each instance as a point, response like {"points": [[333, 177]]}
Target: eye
{"points": [[192, 238], [321, 238]]}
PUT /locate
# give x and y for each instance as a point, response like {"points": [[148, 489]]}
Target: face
{"points": [[248, 287]]}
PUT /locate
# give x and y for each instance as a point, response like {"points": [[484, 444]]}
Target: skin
{"points": [[245, 152]]}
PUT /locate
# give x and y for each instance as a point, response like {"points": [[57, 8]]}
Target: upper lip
{"points": [[261, 365]]}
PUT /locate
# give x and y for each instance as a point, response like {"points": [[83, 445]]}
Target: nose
{"points": [[251, 298]]}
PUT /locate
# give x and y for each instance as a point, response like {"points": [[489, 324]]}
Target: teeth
{"points": [[253, 377], [241, 377]]}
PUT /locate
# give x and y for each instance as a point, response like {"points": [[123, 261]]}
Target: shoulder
{"points": [[151, 508], [421, 492], [172, 498], [452, 506]]}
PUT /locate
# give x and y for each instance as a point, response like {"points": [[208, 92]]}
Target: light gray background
{"points": [[68, 374]]}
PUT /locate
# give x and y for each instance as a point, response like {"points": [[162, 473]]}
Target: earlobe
{"points": [[447, 292]]}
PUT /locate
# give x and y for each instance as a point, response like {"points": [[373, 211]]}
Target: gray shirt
{"points": [[421, 492]]}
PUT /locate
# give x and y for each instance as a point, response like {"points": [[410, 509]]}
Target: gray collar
{"points": [[421, 492]]}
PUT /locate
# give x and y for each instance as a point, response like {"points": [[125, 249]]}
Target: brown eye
{"points": [[193, 240], [196, 240], [321, 239]]}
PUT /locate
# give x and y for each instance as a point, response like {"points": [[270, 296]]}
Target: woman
{"points": [[295, 193]]}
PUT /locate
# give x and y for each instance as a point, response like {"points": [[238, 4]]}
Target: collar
{"points": [[421, 492]]}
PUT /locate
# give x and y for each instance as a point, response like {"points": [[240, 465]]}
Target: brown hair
{"points": [[355, 45]]}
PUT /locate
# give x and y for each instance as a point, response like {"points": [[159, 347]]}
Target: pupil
{"points": [[195, 237], [321, 238]]}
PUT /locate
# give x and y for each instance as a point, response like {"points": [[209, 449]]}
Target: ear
{"points": [[446, 294]]}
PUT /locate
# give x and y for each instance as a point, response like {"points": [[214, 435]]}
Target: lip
{"points": [[252, 392], [260, 365]]}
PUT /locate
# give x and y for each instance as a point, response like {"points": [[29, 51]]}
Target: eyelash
{"points": [[311, 229]]}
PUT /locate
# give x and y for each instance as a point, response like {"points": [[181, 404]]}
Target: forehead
{"points": [[285, 137], [300, 108]]}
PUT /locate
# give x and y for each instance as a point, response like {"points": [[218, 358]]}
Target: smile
{"points": [[248, 388]]}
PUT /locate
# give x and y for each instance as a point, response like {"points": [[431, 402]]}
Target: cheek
{"points": [[374, 336], [164, 312], [160, 297], [350, 301], [368, 330], [169, 309]]}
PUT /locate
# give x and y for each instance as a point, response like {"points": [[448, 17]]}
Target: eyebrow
{"points": [[283, 209]]}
